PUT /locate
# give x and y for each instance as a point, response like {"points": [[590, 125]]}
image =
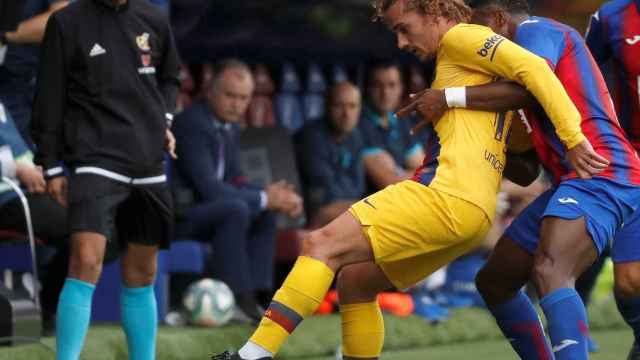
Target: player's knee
{"points": [[627, 282], [139, 274], [85, 263], [547, 275], [350, 290], [314, 245]]}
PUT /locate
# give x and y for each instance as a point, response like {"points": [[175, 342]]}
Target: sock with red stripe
{"points": [[299, 297], [567, 319], [519, 322]]}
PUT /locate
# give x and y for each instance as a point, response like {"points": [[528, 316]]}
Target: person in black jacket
{"points": [[105, 94], [237, 218], [330, 159]]}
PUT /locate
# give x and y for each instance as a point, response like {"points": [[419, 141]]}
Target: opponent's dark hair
{"points": [[510, 6]]}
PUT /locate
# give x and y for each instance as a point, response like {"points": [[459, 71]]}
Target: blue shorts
{"points": [[605, 205], [626, 243]]}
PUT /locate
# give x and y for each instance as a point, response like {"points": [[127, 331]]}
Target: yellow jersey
{"points": [[466, 154]]}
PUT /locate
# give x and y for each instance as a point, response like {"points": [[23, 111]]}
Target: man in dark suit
{"points": [[236, 217]]}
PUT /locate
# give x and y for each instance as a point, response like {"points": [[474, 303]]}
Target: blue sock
{"points": [[140, 321], [568, 325], [519, 322], [630, 311], [73, 315]]}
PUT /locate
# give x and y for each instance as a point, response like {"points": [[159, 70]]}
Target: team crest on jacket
{"points": [[146, 59], [143, 42]]}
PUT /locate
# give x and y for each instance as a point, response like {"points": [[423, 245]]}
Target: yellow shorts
{"points": [[414, 230]]}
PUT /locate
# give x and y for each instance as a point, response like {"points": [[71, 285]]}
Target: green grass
{"points": [[614, 345], [470, 331]]}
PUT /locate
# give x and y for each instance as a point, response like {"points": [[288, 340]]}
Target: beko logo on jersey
{"points": [[489, 44], [634, 40]]}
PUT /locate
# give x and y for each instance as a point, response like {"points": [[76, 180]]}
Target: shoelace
{"points": [[223, 356]]}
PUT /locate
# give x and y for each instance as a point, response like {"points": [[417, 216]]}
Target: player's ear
{"points": [[500, 18]]}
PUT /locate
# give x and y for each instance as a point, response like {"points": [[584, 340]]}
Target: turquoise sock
{"points": [[140, 321], [74, 313]]}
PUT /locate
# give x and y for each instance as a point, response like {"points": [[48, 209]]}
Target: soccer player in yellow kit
{"points": [[403, 233]]}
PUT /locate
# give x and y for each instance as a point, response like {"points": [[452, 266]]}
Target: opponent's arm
{"points": [[487, 52], [500, 96], [481, 50]]}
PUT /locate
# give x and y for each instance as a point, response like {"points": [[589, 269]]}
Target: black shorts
{"points": [[140, 214]]}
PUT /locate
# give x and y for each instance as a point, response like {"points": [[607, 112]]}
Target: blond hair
{"points": [[454, 10]]}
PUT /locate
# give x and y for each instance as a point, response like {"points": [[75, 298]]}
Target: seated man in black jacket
{"points": [[236, 217], [330, 153]]}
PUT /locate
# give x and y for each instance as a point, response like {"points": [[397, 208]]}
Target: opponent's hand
{"points": [[430, 105], [57, 188], [586, 161], [170, 144]]}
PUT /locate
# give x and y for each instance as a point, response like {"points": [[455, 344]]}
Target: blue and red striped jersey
{"points": [[568, 55], [614, 34]]}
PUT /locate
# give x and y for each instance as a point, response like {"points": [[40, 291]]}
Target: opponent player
{"points": [[406, 231], [614, 34], [575, 220]]}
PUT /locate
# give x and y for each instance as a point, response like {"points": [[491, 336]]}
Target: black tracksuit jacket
{"points": [[107, 83]]}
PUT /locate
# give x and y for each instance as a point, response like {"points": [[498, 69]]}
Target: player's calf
{"points": [[499, 282], [138, 301], [362, 324], [565, 251], [139, 265], [325, 251], [627, 294], [505, 273]]}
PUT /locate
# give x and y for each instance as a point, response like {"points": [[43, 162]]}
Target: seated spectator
{"points": [[237, 218], [49, 218], [330, 151], [391, 153]]}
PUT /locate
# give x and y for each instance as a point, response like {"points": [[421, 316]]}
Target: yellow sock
{"points": [[362, 331], [302, 291]]}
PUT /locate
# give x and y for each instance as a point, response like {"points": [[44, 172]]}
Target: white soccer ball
{"points": [[208, 303]]}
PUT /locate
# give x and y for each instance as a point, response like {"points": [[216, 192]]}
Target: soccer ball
{"points": [[208, 303]]}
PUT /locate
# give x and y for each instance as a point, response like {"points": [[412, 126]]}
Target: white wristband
{"points": [[456, 97]]}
